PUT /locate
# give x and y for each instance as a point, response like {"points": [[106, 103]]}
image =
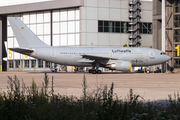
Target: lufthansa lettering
{"points": [[121, 51]]}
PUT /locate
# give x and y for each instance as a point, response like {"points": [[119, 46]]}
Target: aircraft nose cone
{"points": [[168, 58]]}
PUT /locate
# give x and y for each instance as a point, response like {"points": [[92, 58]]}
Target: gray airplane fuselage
{"points": [[73, 55], [114, 58]]}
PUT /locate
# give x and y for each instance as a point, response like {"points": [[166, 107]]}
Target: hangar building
{"points": [[73, 23], [166, 29]]}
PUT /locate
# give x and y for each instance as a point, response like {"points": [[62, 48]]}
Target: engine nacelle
{"points": [[121, 65]]}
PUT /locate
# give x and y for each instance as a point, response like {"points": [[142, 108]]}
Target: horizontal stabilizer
{"points": [[5, 58], [25, 51]]}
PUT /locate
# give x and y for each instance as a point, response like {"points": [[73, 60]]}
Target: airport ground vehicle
{"points": [[54, 69]]}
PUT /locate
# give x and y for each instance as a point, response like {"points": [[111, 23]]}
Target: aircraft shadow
{"points": [[83, 72]]}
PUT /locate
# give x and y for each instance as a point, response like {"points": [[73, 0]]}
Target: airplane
{"points": [[114, 58]]}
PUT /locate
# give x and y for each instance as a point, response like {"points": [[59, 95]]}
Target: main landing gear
{"points": [[94, 71]]}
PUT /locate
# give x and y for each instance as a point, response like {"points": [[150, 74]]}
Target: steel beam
{"points": [[169, 17], [1, 43], [163, 24], [169, 38]]}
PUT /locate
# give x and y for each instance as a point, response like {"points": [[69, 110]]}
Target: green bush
{"points": [[34, 102]]}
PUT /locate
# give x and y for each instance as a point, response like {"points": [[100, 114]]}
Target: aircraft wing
{"points": [[97, 58], [25, 51]]}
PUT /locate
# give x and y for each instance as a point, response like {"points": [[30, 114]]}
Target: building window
{"points": [[177, 9], [26, 63], [176, 6], [48, 64], [65, 27], [176, 20], [122, 27], [100, 26], [140, 28], [145, 28], [33, 63], [17, 63], [11, 64], [111, 26], [106, 26], [177, 35], [40, 63], [150, 28], [117, 27]]}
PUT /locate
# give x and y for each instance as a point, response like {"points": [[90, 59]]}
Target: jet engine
{"points": [[120, 65]]}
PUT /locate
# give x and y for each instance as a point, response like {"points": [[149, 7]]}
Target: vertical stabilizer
{"points": [[25, 37]]}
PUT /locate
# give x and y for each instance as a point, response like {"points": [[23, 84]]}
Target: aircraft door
{"points": [[53, 53], [151, 54]]}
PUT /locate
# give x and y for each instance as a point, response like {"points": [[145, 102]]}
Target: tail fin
{"points": [[25, 37]]}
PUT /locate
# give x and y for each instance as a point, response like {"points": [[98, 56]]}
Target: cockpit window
{"points": [[162, 53]]}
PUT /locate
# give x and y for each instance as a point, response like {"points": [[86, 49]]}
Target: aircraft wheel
{"points": [[99, 72], [90, 71], [94, 71]]}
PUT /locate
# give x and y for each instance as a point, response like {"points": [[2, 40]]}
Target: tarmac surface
{"points": [[153, 86]]}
